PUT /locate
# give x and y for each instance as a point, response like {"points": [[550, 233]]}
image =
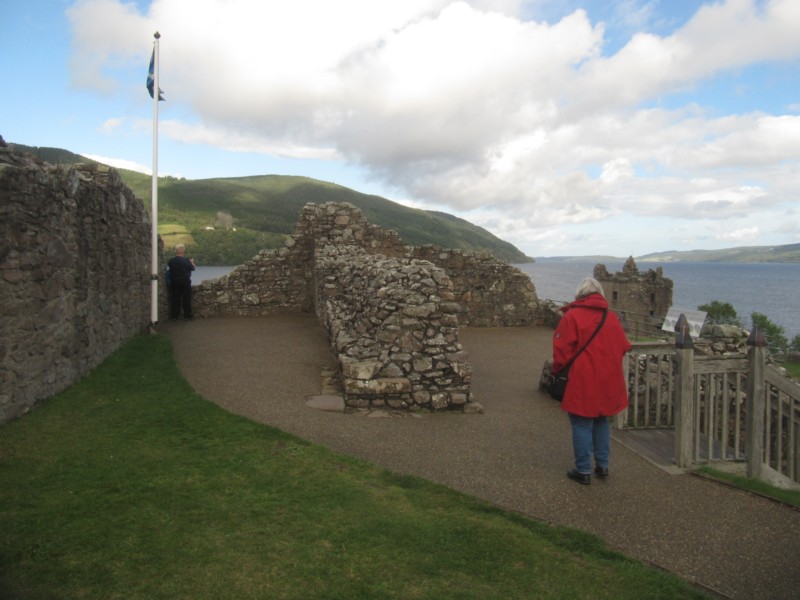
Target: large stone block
{"points": [[363, 370]]}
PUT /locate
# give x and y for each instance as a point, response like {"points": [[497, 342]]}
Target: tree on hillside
{"points": [[720, 313], [775, 334], [230, 247], [795, 345]]}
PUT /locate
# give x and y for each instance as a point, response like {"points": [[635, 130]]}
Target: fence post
{"points": [[621, 418], [684, 393], [754, 406]]}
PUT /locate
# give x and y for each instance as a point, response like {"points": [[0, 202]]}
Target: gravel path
{"points": [[514, 455]]}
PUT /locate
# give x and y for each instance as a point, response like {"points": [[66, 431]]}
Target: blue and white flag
{"points": [[151, 78]]}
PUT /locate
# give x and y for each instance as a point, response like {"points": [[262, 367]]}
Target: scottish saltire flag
{"points": [[151, 80]]}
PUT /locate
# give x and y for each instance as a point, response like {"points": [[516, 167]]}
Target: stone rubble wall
{"points": [[721, 341], [549, 313], [393, 325], [392, 311], [341, 223], [281, 280], [273, 281], [490, 293], [75, 256]]}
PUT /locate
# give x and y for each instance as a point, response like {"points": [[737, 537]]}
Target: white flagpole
{"points": [[154, 192]]}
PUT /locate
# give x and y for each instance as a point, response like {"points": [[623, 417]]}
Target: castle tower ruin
{"points": [[642, 297]]}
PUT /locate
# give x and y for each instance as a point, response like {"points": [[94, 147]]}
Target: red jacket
{"points": [[597, 386]]}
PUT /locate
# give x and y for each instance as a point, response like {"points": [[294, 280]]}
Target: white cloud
{"points": [[466, 105], [120, 163], [616, 170], [111, 125], [240, 141], [721, 36], [739, 236], [106, 35]]}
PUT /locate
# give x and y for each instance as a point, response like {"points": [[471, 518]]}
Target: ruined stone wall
{"points": [[75, 260], [281, 280], [391, 311], [721, 341], [490, 293], [320, 225], [393, 326], [273, 281]]}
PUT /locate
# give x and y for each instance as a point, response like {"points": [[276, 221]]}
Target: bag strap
{"points": [[602, 320]]}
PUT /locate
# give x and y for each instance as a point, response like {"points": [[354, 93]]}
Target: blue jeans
{"points": [[590, 436]]}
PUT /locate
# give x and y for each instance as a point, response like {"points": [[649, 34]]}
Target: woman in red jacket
{"points": [[597, 388]]}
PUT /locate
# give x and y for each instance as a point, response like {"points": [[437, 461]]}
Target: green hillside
{"points": [[787, 253], [228, 220], [748, 254]]}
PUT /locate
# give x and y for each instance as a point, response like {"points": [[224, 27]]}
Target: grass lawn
{"points": [[130, 485], [174, 234], [754, 485], [793, 368]]}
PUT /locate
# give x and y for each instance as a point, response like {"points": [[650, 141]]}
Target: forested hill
{"points": [[226, 221]]}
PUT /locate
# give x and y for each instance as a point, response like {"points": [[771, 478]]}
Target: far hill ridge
{"points": [[263, 209], [225, 221], [787, 253]]}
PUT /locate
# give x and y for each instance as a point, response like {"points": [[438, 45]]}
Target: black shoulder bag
{"points": [[557, 384]]}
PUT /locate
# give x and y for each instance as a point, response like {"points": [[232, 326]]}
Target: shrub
{"points": [[775, 334], [720, 313]]}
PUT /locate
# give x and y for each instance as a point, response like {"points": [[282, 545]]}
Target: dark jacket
{"points": [[597, 385], [180, 270]]}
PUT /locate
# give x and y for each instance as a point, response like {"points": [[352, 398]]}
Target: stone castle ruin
{"points": [[391, 311], [639, 298], [75, 285]]}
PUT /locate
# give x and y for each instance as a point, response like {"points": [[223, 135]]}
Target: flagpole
{"points": [[154, 192]]}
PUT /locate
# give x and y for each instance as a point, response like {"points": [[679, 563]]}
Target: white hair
{"points": [[589, 286]]}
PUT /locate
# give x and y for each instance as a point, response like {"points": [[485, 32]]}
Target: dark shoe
{"points": [[582, 478], [601, 472]]}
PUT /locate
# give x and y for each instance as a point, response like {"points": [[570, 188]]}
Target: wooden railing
{"points": [[722, 408], [649, 368], [782, 425]]}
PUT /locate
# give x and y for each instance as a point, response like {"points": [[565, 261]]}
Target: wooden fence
{"points": [[721, 408]]}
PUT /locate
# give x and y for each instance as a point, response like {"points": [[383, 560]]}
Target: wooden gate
{"points": [[731, 408]]}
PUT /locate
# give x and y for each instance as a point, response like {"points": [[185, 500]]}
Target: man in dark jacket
{"points": [[180, 270]]}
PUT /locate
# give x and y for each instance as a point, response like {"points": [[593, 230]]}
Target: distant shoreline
{"points": [[787, 253], [646, 261]]}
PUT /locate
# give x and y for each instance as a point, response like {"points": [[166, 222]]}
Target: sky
{"points": [[565, 127]]}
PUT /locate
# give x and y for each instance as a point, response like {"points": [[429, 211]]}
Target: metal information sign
{"points": [[696, 319]]}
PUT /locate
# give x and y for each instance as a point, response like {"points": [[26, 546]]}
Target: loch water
{"points": [[772, 289]]}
